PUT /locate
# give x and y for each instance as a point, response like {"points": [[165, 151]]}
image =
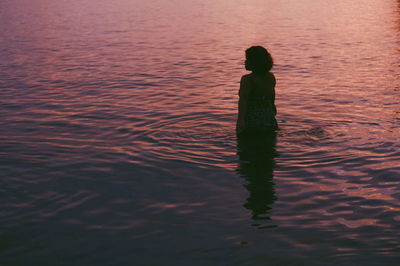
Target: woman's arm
{"points": [[244, 92]]}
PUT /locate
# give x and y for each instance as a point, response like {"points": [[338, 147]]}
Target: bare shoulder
{"points": [[272, 76], [245, 81], [245, 78]]}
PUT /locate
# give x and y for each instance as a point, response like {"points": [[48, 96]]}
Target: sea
{"points": [[118, 145]]}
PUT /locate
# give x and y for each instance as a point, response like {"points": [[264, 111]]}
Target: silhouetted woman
{"points": [[257, 108]]}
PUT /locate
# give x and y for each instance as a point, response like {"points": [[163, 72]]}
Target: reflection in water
{"points": [[256, 155]]}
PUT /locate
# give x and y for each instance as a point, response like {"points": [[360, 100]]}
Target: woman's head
{"points": [[258, 60]]}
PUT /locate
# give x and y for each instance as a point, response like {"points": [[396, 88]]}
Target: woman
{"points": [[257, 108]]}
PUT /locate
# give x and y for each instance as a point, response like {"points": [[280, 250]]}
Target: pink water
{"points": [[118, 146]]}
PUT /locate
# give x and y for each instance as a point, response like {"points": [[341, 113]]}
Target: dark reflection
{"points": [[256, 165]]}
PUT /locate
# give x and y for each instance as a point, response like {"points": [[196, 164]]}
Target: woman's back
{"points": [[261, 110], [257, 93], [262, 87]]}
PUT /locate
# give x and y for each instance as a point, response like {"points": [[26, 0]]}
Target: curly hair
{"points": [[259, 60]]}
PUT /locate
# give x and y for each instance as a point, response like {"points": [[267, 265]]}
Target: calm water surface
{"points": [[117, 133]]}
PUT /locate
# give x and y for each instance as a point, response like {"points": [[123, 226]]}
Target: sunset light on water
{"points": [[118, 142]]}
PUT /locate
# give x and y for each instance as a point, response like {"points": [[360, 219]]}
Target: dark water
{"points": [[117, 133]]}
